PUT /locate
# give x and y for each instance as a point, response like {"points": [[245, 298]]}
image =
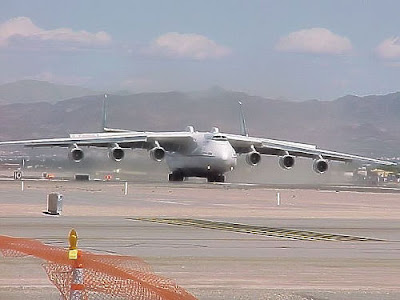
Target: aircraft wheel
{"points": [[220, 178], [216, 178], [175, 176]]}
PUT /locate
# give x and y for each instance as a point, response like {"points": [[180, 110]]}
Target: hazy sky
{"points": [[282, 49]]}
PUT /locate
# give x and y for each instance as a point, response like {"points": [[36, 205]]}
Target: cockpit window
{"points": [[219, 137]]}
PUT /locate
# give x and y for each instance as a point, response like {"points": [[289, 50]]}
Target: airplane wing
{"points": [[246, 144], [132, 139]]}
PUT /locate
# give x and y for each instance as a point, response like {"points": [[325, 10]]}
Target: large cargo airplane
{"points": [[192, 153]]}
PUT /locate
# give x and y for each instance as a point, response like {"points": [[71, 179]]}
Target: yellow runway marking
{"points": [[259, 230]]}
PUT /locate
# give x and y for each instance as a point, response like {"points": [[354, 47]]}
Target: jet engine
{"points": [[253, 158], [157, 153], [286, 161], [76, 154], [116, 153], [320, 165]]}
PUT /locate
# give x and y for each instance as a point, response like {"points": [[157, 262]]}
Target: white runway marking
{"points": [[169, 202]]}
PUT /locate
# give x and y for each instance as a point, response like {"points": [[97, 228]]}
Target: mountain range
{"points": [[367, 125], [27, 91]]}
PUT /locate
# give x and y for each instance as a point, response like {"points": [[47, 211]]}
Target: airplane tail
{"points": [[104, 121], [243, 127]]}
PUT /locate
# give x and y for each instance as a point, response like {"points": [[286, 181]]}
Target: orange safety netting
{"points": [[105, 276]]}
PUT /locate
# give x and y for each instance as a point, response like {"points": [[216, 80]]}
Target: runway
{"points": [[228, 241]]}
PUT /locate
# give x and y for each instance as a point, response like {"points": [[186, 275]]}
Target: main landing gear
{"points": [[216, 178], [176, 176]]}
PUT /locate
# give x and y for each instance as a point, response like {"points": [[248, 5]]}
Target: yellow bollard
{"points": [[77, 286]]}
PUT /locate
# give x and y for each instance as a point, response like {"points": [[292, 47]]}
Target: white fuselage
{"points": [[208, 154]]}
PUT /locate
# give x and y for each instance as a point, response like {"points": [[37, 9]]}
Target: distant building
{"points": [[375, 176]]}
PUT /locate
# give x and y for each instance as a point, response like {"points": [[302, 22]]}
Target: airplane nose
{"points": [[233, 162], [225, 156], [230, 163], [226, 163]]}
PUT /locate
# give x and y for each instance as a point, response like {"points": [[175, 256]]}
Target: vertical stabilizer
{"points": [[243, 128], [104, 123]]}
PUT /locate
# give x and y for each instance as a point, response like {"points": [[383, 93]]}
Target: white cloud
{"points": [[189, 45], [23, 29], [314, 40], [389, 48]]}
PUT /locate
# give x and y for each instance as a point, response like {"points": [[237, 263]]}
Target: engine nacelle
{"points": [[157, 153], [116, 153], [287, 161], [253, 158], [76, 154], [320, 165]]}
